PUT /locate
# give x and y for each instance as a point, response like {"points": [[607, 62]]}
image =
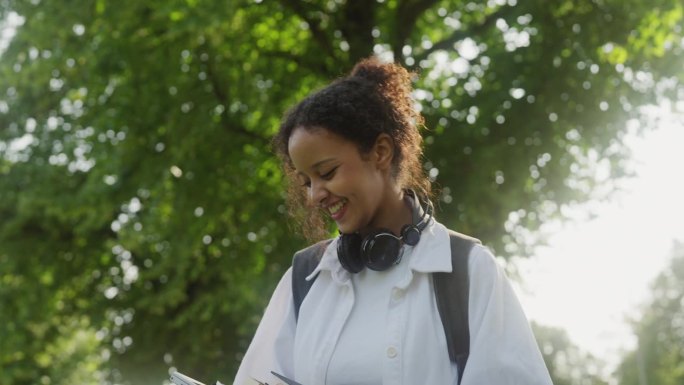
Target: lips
{"points": [[337, 209]]}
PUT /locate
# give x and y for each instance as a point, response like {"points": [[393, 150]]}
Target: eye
{"points": [[328, 175], [303, 181]]}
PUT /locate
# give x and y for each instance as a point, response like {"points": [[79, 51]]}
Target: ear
{"points": [[383, 151]]}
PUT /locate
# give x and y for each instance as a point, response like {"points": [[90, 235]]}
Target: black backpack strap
{"points": [[451, 293], [303, 263]]}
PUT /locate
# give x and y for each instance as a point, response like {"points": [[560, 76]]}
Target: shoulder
{"points": [[456, 236], [481, 261], [462, 244], [311, 254], [488, 278], [305, 261]]}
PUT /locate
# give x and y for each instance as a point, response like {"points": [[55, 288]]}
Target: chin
{"points": [[346, 229]]}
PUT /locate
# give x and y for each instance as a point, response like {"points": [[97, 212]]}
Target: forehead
{"points": [[309, 146]]}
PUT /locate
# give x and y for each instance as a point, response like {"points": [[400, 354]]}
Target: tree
{"points": [[567, 364], [658, 358], [139, 195]]}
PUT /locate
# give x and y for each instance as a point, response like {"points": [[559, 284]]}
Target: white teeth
{"points": [[336, 207]]}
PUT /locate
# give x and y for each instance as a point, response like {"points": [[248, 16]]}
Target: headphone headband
{"points": [[417, 207]]}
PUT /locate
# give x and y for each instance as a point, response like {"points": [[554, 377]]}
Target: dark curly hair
{"points": [[374, 98]]}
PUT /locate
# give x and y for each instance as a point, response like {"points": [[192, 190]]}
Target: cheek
{"points": [[373, 176]]}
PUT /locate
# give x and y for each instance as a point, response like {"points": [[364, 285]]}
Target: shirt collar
{"points": [[330, 262], [432, 254]]}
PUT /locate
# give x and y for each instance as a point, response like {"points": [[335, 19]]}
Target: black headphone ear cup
{"points": [[380, 250], [348, 252], [410, 234]]}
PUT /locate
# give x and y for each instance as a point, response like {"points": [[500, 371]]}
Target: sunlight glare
{"points": [[595, 273]]}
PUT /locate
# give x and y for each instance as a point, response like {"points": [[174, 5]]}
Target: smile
{"points": [[336, 209]]}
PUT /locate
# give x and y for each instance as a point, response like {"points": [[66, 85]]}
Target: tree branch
{"points": [[358, 20], [457, 36], [301, 61], [408, 12], [317, 32], [223, 98]]}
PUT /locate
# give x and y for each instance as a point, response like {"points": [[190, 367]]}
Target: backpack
{"points": [[451, 292]]}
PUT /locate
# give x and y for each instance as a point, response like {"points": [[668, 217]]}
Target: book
{"points": [[179, 378], [287, 380]]}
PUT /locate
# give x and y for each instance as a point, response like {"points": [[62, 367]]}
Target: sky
{"points": [[596, 273], [8, 28]]}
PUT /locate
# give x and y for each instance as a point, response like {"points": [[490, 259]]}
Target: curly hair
{"points": [[375, 98]]}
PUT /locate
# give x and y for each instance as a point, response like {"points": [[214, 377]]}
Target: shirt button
{"points": [[392, 352], [397, 294]]}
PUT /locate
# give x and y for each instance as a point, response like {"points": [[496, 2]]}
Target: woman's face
{"points": [[346, 186]]}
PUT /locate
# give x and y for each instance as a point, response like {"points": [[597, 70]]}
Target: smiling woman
{"points": [[372, 309]]}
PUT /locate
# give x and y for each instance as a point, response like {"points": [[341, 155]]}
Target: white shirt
{"points": [[360, 351], [412, 346]]}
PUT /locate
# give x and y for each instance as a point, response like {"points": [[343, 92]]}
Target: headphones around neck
{"points": [[381, 249]]}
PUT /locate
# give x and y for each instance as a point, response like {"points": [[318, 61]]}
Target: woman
{"points": [[354, 152]]}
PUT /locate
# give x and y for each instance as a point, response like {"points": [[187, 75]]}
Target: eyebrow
{"points": [[317, 164]]}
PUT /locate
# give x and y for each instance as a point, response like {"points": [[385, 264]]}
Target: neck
{"points": [[393, 214]]}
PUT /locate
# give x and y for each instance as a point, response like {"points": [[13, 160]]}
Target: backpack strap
{"points": [[303, 263], [451, 294]]}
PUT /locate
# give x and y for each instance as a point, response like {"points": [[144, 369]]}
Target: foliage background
{"points": [[659, 355], [141, 208]]}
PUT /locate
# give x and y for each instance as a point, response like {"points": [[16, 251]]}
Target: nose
{"points": [[317, 192]]}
